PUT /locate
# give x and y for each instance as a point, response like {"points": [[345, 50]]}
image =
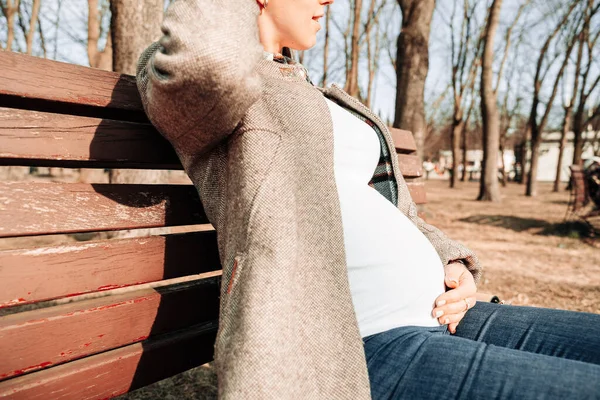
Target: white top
{"points": [[394, 271]]}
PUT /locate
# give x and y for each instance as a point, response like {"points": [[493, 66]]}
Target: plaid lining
{"points": [[383, 179]]}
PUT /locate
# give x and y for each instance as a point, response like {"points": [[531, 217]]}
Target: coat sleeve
{"points": [[199, 79], [448, 249]]}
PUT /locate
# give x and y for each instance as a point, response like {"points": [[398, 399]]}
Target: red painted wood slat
{"points": [[28, 208], [38, 78], [410, 165], [43, 138], [50, 336], [30, 275], [403, 140], [118, 371]]}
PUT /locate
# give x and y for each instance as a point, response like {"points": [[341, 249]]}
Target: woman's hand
{"points": [[452, 305]]}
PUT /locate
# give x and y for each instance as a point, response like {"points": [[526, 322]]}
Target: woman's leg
{"points": [[559, 333], [429, 363]]}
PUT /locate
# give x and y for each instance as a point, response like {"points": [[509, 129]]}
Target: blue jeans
{"points": [[498, 352]]}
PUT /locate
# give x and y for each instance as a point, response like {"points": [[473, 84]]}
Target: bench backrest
{"points": [[99, 318], [579, 193]]}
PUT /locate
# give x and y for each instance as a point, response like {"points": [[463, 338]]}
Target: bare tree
{"points": [[33, 23], [10, 11], [412, 66], [372, 55], [489, 189], [465, 57], [101, 59], [326, 46], [351, 85], [464, 136], [28, 22], [568, 107], [534, 126], [579, 119]]}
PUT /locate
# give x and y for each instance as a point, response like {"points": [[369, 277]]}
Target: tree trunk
{"points": [[412, 66], [352, 79], [326, 47], [536, 140], [463, 177], [10, 12], [586, 90], [35, 12], [97, 58], [134, 25], [535, 128], [578, 135], [457, 128], [503, 164], [489, 189], [561, 146]]}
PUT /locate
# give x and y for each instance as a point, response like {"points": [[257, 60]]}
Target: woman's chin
{"points": [[307, 44]]}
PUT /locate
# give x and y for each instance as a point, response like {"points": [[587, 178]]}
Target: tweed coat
{"points": [[257, 141]]}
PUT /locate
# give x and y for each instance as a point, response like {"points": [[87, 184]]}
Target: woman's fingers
{"points": [[451, 319], [452, 327], [448, 310], [467, 289], [451, 306]]}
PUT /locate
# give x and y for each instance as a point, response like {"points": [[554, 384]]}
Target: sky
{"points": [[68, 44]]}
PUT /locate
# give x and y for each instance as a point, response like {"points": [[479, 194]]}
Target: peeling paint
{"points": [[24, 370], [59, 249], [13, 302]]}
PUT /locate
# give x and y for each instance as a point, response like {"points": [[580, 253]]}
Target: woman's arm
{"points": [[199, 79]]}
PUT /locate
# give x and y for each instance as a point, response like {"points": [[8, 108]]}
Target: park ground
{"points": [[530, 255]]}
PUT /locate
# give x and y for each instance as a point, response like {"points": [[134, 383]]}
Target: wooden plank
{"points": [[33, 208], [44, 273], [410, 165], [38, 78], [417, 192], [118, 371], [46, 139], [403, 140], [41, 338]]}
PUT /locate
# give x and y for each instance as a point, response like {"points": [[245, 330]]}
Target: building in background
{"points": [[547, 163]]}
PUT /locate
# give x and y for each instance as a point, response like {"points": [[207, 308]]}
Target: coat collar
{"points": [[287, 66]]}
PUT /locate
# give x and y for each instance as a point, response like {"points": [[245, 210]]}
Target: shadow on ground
{"points": [[572, 229]]}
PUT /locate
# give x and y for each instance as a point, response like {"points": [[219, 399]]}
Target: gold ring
{"points": [[467, 304]]}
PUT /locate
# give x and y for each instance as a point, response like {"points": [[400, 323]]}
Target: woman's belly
{"points": [[394, 271]]}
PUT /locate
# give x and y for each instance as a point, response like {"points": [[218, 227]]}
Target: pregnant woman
{"points": [[333, 287]]}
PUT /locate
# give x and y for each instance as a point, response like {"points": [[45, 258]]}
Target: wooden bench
{"points": [[580, 202], [92, 320]]}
